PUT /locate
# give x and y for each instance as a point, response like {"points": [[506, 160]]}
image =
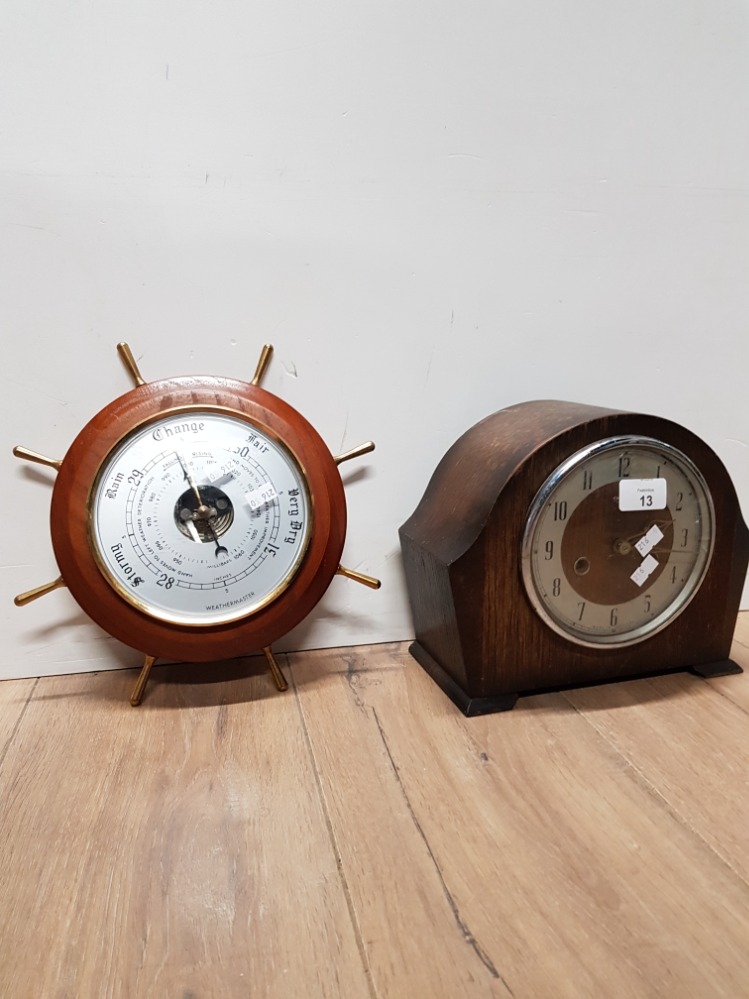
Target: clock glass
{"points": [[200, 516], [617, 541]]}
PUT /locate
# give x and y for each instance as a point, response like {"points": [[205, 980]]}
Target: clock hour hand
{"points": [[660, 524]]}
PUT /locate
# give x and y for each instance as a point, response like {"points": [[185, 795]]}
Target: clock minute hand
{"points": [[656, 523]]}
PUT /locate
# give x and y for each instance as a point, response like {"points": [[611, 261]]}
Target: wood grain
{"points": [[179, 850], [14, 697], [357, 837], [737, 692], [677, 733], [535, 858]]}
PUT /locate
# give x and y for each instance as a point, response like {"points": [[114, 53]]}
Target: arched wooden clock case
{"points": [[188, 398], [486, 622]]}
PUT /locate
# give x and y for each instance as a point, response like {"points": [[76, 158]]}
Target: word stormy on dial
{"points": [[127, 570]]}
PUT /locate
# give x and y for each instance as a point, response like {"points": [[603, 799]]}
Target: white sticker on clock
{"points": [[649, 540], [643, 494], [641, 573]]}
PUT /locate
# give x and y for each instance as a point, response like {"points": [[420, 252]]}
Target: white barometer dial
{"points": [[618, 541], [199, 517]]}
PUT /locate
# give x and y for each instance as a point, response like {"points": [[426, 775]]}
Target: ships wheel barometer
{"points": [[197, 518]]}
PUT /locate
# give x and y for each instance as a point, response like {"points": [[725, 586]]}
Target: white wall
{"points": [[432, 210]]}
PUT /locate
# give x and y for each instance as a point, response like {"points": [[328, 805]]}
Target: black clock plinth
{"points": [[726, 667], [470, 706]]}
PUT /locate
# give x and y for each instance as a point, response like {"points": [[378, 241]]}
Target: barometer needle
{"points": [[219, 548], [204, 513], [189, 478]]}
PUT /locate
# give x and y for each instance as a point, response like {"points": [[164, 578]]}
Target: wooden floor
{"points": [[358, 837]]}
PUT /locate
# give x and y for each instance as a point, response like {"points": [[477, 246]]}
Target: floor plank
{"points": [[174, 850], [516, 854], [400, 900], [737, 690], [14, 697], [679, 733], [741, 634]]}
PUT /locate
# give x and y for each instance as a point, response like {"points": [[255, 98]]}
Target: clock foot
{"points": [[140, 686], [727, 667], [275, 669], [470, 706]]}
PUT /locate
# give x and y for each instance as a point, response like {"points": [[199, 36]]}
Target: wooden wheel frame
{"points": [[70, 519]]}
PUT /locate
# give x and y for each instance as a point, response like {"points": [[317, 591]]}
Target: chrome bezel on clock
{"points": [[689, 588]]}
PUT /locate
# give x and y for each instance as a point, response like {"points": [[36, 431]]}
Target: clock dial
{"points": [[199, 517], [617, 541]]}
